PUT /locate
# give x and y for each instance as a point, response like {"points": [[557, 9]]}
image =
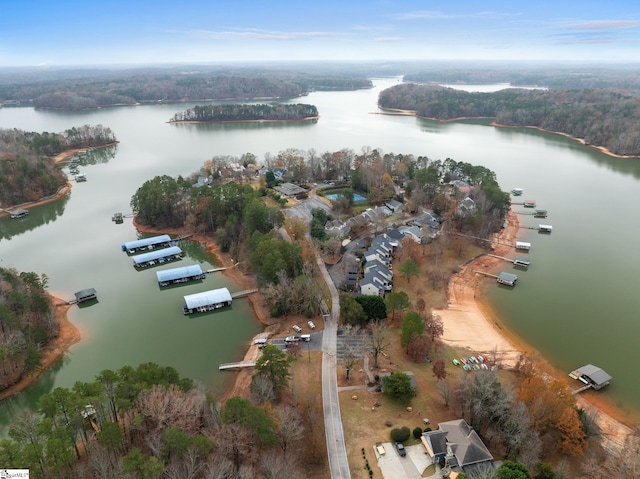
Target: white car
{"points": [[311, 325], [297, 328]]}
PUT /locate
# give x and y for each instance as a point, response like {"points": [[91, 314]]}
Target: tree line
{"points": [[149, 422], [607, 118], [130, 87], [27, 323], [247, 112], [27, 169]]}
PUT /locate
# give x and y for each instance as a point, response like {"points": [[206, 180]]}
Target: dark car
{"points": [[401, 450]]}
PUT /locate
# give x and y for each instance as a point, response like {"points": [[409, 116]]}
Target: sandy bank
{"points": [[469, 323]]}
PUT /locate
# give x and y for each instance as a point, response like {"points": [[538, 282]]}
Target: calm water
{"points": [[576, 303]]}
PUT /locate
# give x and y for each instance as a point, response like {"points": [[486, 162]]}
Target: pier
{"points": [[486, 274], [244, 293], [238, 365]]}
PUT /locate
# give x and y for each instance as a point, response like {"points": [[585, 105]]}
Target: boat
{"points": [[455, 362]]}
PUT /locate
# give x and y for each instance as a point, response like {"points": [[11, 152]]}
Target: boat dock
{"points": [[157, 257], [591, 376], [145, 244], [182, 274], [18, 213], [238, 365], [207, 301]]}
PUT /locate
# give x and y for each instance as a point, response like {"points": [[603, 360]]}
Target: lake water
{"points": [[577, 303]]}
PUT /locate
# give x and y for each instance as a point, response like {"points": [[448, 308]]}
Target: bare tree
{"points": [[380, 340], [277, 466], [188, 466], [165, 407], [290, 427]]}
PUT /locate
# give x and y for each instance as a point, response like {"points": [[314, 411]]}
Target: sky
{"points": [[88, 32]]}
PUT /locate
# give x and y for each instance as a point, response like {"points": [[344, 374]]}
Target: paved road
{"points": [[336, 450]]}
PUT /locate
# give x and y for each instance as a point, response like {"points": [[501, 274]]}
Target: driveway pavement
{"points": [[410, 467]]}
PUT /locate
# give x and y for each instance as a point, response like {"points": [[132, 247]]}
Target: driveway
{"points": [[410, 467]]}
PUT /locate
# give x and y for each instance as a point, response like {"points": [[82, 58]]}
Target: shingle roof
{"points": [[465, 443]]}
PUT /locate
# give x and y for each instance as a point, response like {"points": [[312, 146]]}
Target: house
{"points": [[466, 206], [426, 219], [462, 186], [412, 232], [375, 253], [374, 283], [394, 205], [464, 449], [378, 265], [337, 228], [290, 190]]}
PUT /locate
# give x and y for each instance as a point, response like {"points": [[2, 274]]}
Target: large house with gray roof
{"points": [[458, 445]]}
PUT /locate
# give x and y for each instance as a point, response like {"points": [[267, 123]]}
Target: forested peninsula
{"points": [[27, 169], [83, 90], [242, 112], [607, 118]]}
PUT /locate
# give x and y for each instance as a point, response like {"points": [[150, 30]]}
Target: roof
{"points": [[177, 273], [85, 292], [289, 189], [508, 277], [437, 441], [465, 443], [157, 254], [147, 241], [207, 298], [596, 374]]}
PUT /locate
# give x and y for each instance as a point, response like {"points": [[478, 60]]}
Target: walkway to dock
{"points": [[583, 388], [239, 365], [215, 270], [486, 274], [242, 294], [487, 240]]}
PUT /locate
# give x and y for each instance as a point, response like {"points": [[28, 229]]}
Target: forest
{"points": [[27, 169], [607, 118], [250, 112], [93, 89], [27, 322]]}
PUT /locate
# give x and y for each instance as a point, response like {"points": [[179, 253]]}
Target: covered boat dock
{"points": [[592, 376], [521, 262], [508, 279], [18, 213], [157, 257], [182, 274], [207, 301], [144, 244], [86, 295]]}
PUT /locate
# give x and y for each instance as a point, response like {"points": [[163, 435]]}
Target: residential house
{"points": [[462, 186], [395, 206], [290, 190], [466, 206], [337, 228], [464, 451], [413, 232]]}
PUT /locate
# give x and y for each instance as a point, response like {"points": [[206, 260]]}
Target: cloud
{"points": [[259, 34], [438, 15], [603, 25], [387, 39]]}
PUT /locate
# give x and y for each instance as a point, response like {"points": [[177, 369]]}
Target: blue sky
{"points": [[70, 32]]}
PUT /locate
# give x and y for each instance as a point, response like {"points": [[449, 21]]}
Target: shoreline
{"points": [[62, 191], [52, 352], [470, 322], [602, 149]]}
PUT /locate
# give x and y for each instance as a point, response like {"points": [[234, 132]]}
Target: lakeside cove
{"points": [[563, 333]]}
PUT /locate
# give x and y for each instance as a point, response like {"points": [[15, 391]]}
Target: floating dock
{"points": [[182, 274], [529, 203], [591, 376], [523, 245], [88, 294], [545, 228], [540, 213], [207, 301], [517, 191], [521, 262], [157, 257], [507, 279], [145, 244], [18, 213]]}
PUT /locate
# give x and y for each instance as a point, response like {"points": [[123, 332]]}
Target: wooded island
{"points": [[242, 112]]}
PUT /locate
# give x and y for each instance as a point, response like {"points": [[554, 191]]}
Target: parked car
{"points": [[297, 328], [292, 339], [311, 325], [401, 450]]}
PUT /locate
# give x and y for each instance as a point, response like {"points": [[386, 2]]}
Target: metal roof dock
{"points": [[85, 295], [206, 301], [147, 243], [508, 279], [180, 275], [157, 256], [592, 376]]}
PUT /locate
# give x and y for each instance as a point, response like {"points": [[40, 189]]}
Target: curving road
{"points": [[336, 450]]}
